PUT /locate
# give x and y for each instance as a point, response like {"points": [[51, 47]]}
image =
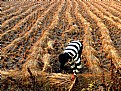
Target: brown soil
{"points": [[34, 33]]}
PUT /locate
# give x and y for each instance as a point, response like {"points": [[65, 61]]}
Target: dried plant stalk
{"points": [[106, 40], [89, 51], [46, 60], [54, 79]]}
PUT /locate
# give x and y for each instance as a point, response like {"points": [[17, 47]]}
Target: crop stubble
{"points": [[28, 27]]}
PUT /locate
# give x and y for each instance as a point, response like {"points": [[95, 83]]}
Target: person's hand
{"points": [[72, 77], [59, 71]]}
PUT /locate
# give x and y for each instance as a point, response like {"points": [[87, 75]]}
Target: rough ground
{"points": [[34, 33]]}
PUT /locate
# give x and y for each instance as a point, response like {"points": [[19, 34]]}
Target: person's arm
{"points": [[61, 68], [73, 75]]}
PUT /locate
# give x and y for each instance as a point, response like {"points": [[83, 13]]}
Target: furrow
{"points": [[19, 48], [113, 27], [7, 5], [69, 33], [38, 50], [21, 28], [19, 11], [112, 4], [111, 10], [117, 2], [14, 8], [7, 25], [89, 40], [108, 14], [106, 40], [22, 8]]}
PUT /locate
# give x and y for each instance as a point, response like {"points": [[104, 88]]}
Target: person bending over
{"points": [[72, 55]]}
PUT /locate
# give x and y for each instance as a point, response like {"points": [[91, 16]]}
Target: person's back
{"points": [[72, 54]]}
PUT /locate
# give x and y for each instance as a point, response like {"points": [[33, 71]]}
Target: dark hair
{"points": [[63, 58]]}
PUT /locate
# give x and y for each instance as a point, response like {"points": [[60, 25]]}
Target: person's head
{"points": [[63, 58]]}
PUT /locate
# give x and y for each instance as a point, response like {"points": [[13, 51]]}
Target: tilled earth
{"points": [[27, 28]]}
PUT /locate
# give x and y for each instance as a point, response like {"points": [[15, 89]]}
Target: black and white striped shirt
{"points": [[73, 49]]}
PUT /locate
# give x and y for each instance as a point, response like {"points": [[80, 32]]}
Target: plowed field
{"points": [[28, 27]]}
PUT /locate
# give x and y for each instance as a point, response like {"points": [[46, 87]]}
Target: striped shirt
{"points": [[73, 49]]}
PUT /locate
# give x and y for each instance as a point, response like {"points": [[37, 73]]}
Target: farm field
{"points": [[34, 33]]}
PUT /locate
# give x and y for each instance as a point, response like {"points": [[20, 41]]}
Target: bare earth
{"points": [[34, 33]]}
